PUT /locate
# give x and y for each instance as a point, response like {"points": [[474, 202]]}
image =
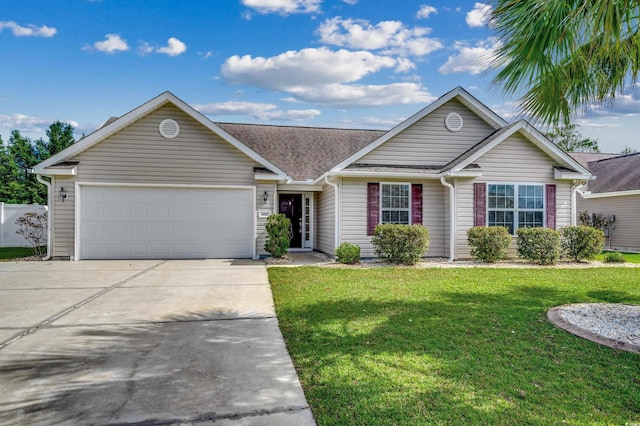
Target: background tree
{"points": [[565, 54], [21, 153], [571, 140], [628, 150]]}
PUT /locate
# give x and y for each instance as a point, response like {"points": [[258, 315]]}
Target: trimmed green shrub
{"points": [[400, 244], [348, 253], [581, 242], [278, 238], [539, 245], [489, 243], [614, 257]]}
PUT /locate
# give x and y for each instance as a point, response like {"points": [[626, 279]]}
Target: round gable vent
{"points": [[169, 128], [453, 122]]}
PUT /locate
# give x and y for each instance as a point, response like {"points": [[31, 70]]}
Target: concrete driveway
{"points": [[143, 342]]}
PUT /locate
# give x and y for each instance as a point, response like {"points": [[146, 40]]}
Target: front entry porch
{"points": [[298, 207]]}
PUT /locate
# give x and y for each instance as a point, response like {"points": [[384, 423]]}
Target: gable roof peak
{"points": [[468, 100], [134, 115]]}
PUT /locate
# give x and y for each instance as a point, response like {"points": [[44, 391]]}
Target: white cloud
{"points": [[357, 95], [174, 47], [37, 126], [112, 44], [350, 1], [24, 123], [425, 11], [206, 55], [307, 67], [480, 15], [391, 37], [257, 110], [283, 7], [472, 60], [307, 77], [29, 30], [145, 48]]}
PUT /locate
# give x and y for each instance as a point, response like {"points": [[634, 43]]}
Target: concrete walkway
{"points": [[143, 342]]}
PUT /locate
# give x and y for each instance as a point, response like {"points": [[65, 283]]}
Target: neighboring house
{"points": [[615, 193], [163, 181]]}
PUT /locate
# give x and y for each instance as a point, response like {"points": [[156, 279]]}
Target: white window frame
{"points": [[408, 210], [516, 210]]}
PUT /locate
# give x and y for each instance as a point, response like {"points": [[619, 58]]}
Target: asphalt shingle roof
{"points": [[302, 152], [620, 173]]}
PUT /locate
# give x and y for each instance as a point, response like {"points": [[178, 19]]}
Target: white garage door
{"points": [[165, 223]]}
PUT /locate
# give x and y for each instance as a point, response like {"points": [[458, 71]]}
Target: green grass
{"points": [[10, 253], [628, 257], [454, 346]]}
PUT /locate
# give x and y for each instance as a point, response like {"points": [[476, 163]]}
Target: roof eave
{"points": [[391, 175], [611, 194], [560, 175]]}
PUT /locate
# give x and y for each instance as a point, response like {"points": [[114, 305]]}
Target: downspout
{"points": [[336, 214], [574, 208], [49, 218], [452, 219]]}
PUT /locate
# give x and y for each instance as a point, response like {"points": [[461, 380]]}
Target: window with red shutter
{"points": [[373, 207], [416, 204]]}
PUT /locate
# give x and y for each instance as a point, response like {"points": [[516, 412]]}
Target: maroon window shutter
{"points": [[373, 206], [479, 204], [416, 204], [551, 206]]}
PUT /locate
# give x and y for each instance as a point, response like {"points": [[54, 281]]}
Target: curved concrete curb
{"points": [[554, 317]]}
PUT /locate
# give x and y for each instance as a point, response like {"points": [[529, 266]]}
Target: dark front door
{"points": [[291, 206]]}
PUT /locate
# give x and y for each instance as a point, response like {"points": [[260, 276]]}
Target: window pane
{"points": [[502, 218], [530, 197], [530, 219], [395, 201], [403, 217]]}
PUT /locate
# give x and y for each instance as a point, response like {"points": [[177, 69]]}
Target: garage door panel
{"points": [[126, 222]]}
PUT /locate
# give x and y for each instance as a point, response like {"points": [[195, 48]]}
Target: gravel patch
{"points": [[611, 324]]}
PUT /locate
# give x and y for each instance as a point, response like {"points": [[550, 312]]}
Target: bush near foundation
{"points": [[489, 243], [614, 257], [400, 244], [348, 253], [581, 242], [539, 245], [278, 238]]}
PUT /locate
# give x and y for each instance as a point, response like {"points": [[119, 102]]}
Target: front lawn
{"points": [[454, 346], [10, 253]]}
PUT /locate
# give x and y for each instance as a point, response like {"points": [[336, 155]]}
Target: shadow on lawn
{"points": [[183, 369], [463, 357]]}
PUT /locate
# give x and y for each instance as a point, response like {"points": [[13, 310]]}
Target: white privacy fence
{"points": [[9, 213]]}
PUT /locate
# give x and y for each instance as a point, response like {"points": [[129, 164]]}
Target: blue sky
{"points": [[337, 63]]}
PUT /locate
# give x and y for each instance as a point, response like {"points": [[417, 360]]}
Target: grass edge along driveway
{"points": [[454, 346]]}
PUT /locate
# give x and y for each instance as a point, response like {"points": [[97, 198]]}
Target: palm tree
{"points": [[565, 54]]}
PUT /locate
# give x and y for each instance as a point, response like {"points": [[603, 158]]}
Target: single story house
{"points": [[616, 194], [164, 181]]}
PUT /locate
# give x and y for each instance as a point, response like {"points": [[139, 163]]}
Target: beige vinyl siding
{"points": [[515, 160], [353, 223], [626, 208], [428, 142], [261, 233], [325, 220], [139, 154], [62, 216]]}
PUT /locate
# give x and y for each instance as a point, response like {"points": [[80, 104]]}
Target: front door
{"points": [[291, 207]]}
